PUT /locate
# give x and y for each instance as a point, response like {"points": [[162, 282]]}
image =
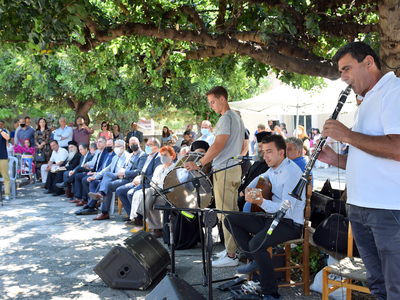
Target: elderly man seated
{"points": [[294, 151], [251, 232], [58, 156], [69, 164]]}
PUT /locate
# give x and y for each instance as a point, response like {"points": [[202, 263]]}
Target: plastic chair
{"points": [[112, 206]]}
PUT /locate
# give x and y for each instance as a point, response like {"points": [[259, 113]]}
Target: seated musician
{"points": [[257, 168], [283, 175]]}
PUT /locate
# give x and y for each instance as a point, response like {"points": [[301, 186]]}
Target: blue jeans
{"points": [[377, 235]]}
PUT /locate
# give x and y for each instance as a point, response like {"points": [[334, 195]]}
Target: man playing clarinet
{"points": [[372, 165]]}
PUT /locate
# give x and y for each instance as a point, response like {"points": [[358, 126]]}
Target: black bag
{"points": [[332, 233], [39, 156]]}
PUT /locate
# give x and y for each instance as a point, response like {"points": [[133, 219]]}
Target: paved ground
{"points": [[47, 252]]}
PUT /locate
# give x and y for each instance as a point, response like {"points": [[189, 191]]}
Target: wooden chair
{"points": [[351, 268], [304, 241]]}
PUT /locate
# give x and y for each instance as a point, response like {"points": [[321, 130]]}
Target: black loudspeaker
{"points": [[135, 264], [173, 288]]}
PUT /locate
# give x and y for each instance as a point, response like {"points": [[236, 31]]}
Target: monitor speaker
{"points": [[174, 288], [135, 264]]}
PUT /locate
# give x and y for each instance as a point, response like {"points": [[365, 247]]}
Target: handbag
{"points": [[39, 156]]}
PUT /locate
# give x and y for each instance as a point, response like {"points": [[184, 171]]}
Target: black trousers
{"points": [[244, 227]]}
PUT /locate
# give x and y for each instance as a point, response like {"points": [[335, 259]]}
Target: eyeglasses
{"points": [[150, 145], [103, 125]]}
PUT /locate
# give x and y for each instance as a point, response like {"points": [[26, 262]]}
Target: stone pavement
{"points": [[47, 252]]}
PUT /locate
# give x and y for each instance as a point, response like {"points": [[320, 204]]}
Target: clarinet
{"points": [[297, 191]]}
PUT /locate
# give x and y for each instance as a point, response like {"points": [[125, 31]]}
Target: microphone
{"points": [[244, 157], [166, 191], [286, 204]]}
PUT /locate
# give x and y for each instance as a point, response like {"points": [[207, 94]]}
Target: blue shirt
{"points": [[3, 146], [283, 181], [302, 162]]}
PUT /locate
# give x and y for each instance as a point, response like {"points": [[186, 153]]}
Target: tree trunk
{"points": [[389, 35], [81, 108]]}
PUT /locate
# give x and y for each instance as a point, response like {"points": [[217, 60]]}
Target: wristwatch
{"points": [[198, 163]]}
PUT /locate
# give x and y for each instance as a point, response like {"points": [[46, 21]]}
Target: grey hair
{"points": [[156, 141], [120, 142], [296, 141]]}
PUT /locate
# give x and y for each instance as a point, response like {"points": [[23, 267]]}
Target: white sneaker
{"points": [[221, 254], [7, 199], [226, 261]]}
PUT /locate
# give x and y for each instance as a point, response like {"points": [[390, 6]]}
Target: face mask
{"points": [[204, 131], [135, 147], [165, 159], [22, 125], [148, 149], [109, 149], [299, 131], [117, 151]]}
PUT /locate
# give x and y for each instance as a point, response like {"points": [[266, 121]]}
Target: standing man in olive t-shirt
{"points": [[228, 142]]}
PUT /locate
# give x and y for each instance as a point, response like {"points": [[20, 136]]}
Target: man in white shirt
{"points": [[58, 156], [372, 165], [63, 134], [206, 134]]}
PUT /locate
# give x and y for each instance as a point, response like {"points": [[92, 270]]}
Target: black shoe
{"points": [[126, 219], [56, 194], [88, 211], [48, 192], [79, 212], [62, 185]]}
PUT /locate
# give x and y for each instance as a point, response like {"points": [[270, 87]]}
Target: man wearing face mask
{"points": [[125, 193], [206, 134], [82, 133], [125, 174], [25, 132], [257, 168]]}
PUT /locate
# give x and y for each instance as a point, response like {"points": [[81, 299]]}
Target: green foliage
{"points": [[317, 258], [45, 67]]}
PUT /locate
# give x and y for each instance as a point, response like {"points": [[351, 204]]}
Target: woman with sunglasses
{"points": [[105, 131]]}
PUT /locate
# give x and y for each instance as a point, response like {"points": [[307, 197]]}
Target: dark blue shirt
{"points": [[3, 146]]}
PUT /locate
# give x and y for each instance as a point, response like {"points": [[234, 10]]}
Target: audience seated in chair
{"points": [[125, 192], [69, 164], [69, 176], [102, 160], [112, 181]]}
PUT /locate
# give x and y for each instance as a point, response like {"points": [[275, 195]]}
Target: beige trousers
{"points": [[226, 185], [6, 176]]}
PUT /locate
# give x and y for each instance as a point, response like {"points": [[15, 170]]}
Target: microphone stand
{"points": [[209, 220]]}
